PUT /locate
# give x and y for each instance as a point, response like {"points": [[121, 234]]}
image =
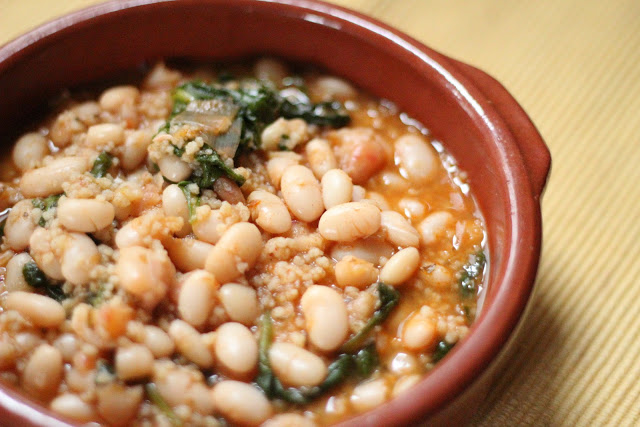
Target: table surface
{"points": [[574, 65]]}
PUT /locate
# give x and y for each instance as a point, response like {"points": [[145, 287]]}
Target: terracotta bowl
{"points": [[472, 114]]}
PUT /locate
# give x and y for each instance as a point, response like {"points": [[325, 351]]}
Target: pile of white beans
{"points": [[181, 291]]}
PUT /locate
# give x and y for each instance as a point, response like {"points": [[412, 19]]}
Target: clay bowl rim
{"points": [[495, 325]]}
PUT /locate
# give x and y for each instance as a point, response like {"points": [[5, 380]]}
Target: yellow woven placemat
{"points": [[575, 67]]}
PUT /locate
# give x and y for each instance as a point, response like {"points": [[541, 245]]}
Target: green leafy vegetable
{"points": [[442, 348], [34, 276], [44, 205], [2, 224], [102, 164], [258, 104], [324, 114], [193, 200], [178, 151], [37, 279], [211, 167], [156, 398], [470, 274], [389, 298], [365, 362]]}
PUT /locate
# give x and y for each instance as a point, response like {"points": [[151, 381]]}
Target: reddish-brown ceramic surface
{"points": [[474, 116]]}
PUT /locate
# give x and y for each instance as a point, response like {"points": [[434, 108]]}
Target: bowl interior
{"points": [[113, 37]]}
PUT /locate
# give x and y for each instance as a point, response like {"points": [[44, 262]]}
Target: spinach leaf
{"points": [[156, 398], [102, 164], [258, 104], [44, 205], [389, 298], [34, 276], [193, 200], [37, 279], [338, 371], [211, 167], [468, 281], [442, 348], [367, 360], [330, 113]]}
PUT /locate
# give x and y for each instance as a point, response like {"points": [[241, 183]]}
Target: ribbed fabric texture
{"points": [[574, 65]]}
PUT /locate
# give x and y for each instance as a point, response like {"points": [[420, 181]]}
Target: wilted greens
{"points": [[102, 164], [468, 281], [355, 357]]}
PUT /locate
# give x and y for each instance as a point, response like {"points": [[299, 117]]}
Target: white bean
{"points": [[240, 302], [295, 366], [349, 221], [85, 215], [352, 271], [284, 133], [29, 151], [329, 87], [134, 150], [174, 203], [68, 344], [337, 188], [48, 180], [302, 193], [197, 297], [41, 246], [358, 193], [437, 276], [14, 279], [236, 349], [173, 168], [117, 403], [158, 341], [405, 383], [270, 69], [133, 362], [209, 224], [398, 230], [79, 258], [70, 405], [278, 163], [236, 252], [241, 403], [289, 420], [41, 311], [190, 343], [20, 225], [412, 208], [417, 159], [435, 226], [114, 98], [66, 126], [419, 332], [320, 303], [187, 254], [370, 249], [43, 372], [370, 394], [400, 267], [104, 134], [145, 274], [320, 157], [269, 212]]}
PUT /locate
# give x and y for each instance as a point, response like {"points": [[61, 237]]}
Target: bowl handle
{"points": [[537, 157]]}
